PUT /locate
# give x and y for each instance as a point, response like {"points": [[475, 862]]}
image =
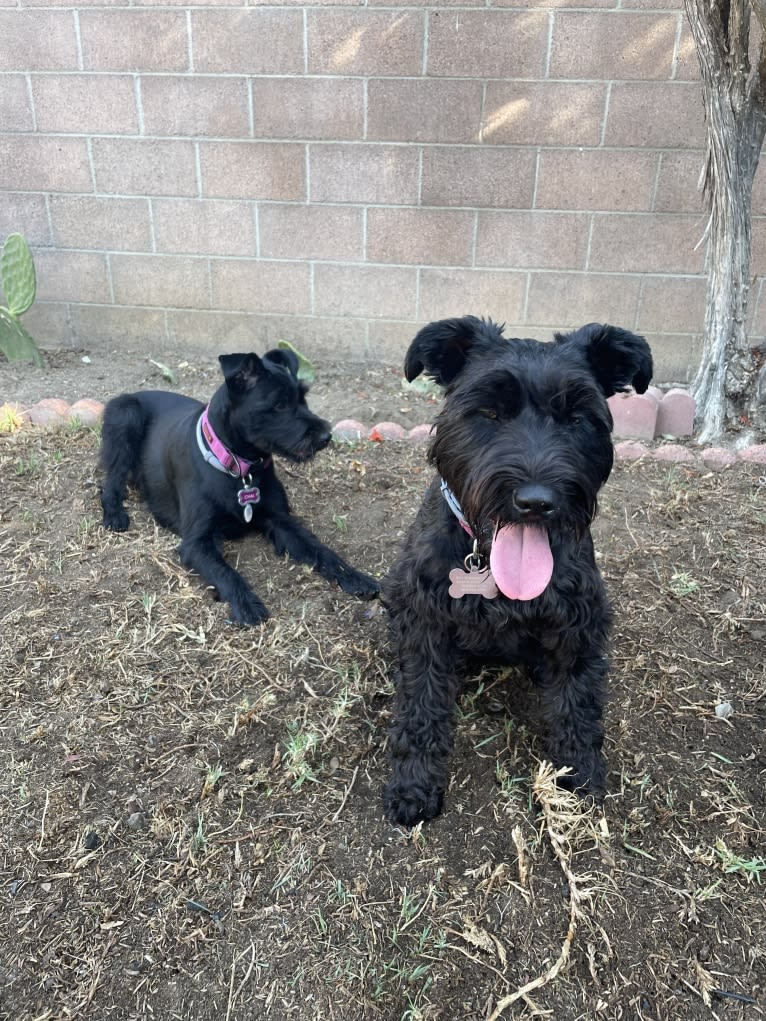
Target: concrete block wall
{"points": [[208, 175]]}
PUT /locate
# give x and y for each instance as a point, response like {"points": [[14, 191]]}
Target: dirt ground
{"points": [[191, 812]]}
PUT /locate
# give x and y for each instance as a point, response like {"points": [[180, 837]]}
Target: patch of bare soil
{"points": [[191, 813]]}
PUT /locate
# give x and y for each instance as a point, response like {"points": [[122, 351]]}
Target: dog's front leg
{"points": [[572, 686], [420, 739], [201, 554], [290, 537]]}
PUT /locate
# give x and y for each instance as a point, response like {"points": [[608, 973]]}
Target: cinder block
{"points": [[567, 300], [27, 209], [160, 281], [364, 42], [670, 304], [640, 46], [374, 292], [493, 44], [71, 276], [143, 166], [675, 414], [655, 115], [677, 181], [133, 40], [254, 286], [423, 110], [37, 163], [297, 231], [37, 41], [635, 415], [15, 109], [595, 179], [654, 243], [204, 226], [543, 113], [85, 103], [518, 240], [308, 108], [360, 173], [87, 221], [478, 176], [254, 170], [135, 328], [418, 236], [192, 106], [248, 39], [453, 292]]}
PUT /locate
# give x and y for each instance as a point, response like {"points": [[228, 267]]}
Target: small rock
{"points": [[50, 411], [86, 412], [85, 359], [420, 433], [674, 452], [136, 821], [755, 454], [348, 429], [630, 450], [387, 431], [718, 458]]}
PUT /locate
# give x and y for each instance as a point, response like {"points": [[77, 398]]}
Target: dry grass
{"points": [[191, 812]]}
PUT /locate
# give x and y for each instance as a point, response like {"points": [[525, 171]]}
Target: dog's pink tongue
{"points": [[521, 560]]}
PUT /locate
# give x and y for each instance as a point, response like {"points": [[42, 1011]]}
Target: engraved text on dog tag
{"points": [[472, 583]]}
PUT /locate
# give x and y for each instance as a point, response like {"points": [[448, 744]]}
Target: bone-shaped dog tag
{"points": [[472, 583], [247, 497]]}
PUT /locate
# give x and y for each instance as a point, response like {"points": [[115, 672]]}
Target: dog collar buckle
{"points": [[248, 496]]}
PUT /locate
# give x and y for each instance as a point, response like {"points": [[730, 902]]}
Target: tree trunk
{"points": [[729, 385]]}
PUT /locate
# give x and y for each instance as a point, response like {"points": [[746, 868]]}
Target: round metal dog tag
{"points": [[247, 511]]}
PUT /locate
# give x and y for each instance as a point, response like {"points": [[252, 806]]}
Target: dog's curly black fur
{"points": [[519, 417]]}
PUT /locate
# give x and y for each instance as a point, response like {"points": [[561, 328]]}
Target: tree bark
{"points": [[729, 386]]}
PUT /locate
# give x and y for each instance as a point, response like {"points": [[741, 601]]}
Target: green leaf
{"points": [[17, 271], [15, 342], [306, 373]]}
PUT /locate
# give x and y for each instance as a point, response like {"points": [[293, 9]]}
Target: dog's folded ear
{"points": [[617, 358], [442, 348], [241, 371], [285, 358]]}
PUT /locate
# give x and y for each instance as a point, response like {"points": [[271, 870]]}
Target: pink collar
{"points": [[219, 455]]}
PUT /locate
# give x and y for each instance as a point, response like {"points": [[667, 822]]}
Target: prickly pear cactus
{"points": [[17, 278], [17, 272]]}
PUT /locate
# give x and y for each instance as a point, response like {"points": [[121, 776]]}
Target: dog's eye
{"points": [[488, 412], [280, 406]]}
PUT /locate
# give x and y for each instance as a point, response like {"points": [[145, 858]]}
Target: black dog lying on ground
{"points": [[499, 563], [208, 473]]}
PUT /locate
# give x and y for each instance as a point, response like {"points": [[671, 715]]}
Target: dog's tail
{"points": [[122, 436]]}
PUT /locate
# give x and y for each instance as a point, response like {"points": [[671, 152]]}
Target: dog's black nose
{"points": [[534, 501], [321, 438]]}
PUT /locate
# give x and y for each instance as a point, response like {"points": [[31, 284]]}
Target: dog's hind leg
{"points": [[421, 737], [289, 536], [122, 435]]}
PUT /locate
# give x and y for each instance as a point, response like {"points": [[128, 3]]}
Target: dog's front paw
{"points": [[116, 521], [407, 806], [248, 612], [358, 584]]}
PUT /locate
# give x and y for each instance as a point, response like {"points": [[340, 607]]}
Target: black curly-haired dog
{"points": [[499, 563], [207, 473]]}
